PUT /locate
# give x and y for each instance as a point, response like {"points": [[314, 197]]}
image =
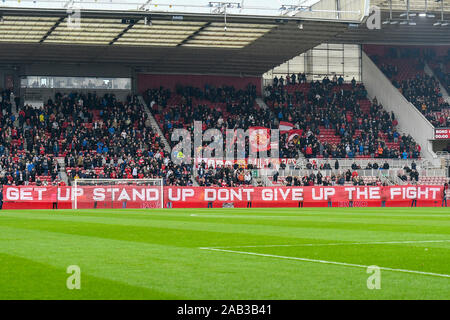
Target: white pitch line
{"points": [[329, 262], [331, 244]]}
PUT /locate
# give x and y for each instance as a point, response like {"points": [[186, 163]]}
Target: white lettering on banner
{"points": [[181, 194], [314, 197], [284, 195], [236, 195], [435, 191], [177, 197], [227, 194], [99, 194], [395, 192], [411, 193], [40, 191], [248, 192], [187, 193], [139, 194], [80, 192], [414, 192], [223, 195], [113, 192], [124, 196], [360, 193], [297, 194], [329, 192], [178, 194], [25, 194], [325, 193], [267, 194], [12, 194], [142, 194], [149, 193], [374, 193], [66, 197], [210, 198], [350, 192], [363, 193], [69, 194], [421, 192]]}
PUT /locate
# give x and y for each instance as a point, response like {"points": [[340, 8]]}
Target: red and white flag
{"points": [[285, 126]]}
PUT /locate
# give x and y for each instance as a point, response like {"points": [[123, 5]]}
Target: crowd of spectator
{"points": [[422, 90], [218, 108], [339, 179], [102, 137], [224, 176], [411, 172], [327, 104], [98, 136]]}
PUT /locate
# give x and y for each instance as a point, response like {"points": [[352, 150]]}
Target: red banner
{"points": [[116, 196]]}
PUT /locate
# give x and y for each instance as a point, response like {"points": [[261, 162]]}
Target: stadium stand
{"points": [[405, 67], [336, 120], [98, 137]]}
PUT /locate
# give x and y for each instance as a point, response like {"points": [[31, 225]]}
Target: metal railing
{"points": [[393, 163], [391, 173]]}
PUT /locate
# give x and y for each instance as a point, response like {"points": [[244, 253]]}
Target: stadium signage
{"points": [[16, 197], [442, 133]]}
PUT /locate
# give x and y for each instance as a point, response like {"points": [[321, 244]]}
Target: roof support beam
{"points": [[57, 23], [124, 31], [191, 36]]}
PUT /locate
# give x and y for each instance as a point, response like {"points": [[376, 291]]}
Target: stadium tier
{"points": [[405, 67], [100, 137]]}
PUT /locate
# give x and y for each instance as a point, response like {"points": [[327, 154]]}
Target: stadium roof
{"points": [[188, 43], [169, 41]]}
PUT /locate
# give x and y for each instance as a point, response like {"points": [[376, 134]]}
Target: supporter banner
{"points": [[259, 163], [116, 196], [442, 133], [113, 196], [294, 135], [259, 138]]}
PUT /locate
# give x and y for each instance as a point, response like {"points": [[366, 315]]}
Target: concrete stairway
{"points": [[155, 125], [157, 129], [62, 170]]}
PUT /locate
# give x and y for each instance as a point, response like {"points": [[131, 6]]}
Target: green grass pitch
{"points": [[305, 253]]}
